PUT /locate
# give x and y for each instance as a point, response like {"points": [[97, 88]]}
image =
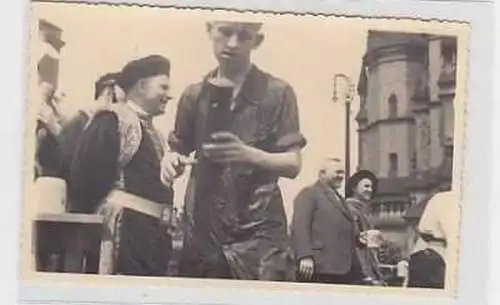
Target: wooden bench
{"points": [[67, 242]]}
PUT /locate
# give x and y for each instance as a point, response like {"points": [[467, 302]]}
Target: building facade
{"points": [[406, 124], [50, 47]]}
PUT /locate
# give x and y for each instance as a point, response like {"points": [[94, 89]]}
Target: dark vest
{"points": [[142, 174], [140, 177]]}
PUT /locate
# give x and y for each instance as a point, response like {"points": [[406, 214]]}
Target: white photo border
{"points": [[474, 230]]}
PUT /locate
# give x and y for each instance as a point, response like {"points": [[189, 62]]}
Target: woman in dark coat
{"points": [[360, 189]]}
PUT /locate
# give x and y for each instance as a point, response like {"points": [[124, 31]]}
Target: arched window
{"points": [[393, 165], [393, 106], [449, 55]]}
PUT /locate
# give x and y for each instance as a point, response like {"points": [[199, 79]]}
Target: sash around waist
{"points": [[431, 239], [436, 245], [123, 199]]}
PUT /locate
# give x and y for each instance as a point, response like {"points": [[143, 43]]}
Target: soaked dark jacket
{"points": [[237, 211]]}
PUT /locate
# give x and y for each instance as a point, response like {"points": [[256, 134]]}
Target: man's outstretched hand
{"points": [[226, 147], [172, 166]]}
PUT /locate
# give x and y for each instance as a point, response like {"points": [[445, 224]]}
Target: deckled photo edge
{"points": [[158, 5], [456, 28]]}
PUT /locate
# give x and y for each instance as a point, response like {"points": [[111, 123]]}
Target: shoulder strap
{"points": [[129, 127]]}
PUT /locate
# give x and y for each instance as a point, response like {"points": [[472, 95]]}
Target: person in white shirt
{"points": [[437, 232]]}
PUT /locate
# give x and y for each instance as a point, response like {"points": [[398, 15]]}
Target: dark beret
{"points": [[105, 81], [149, 66], [353, 181]]}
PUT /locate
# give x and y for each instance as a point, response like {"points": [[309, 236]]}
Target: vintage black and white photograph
{"points": [[218, 145]]}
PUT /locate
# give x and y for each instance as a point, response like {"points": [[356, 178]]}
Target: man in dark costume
{"points": [[243, 125], [104, 96], [116, 172]]}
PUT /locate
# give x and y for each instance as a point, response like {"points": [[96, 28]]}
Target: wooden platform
{"points": [[78, 219], [67, 242]]}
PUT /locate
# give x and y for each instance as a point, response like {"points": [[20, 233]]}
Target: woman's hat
{"points": [[354, 180]]}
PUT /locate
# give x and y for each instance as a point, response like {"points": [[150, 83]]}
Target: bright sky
{"points": [[305, 51]]}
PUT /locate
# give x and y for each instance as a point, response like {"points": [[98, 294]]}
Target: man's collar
{"points": [[328, 188], [139, 110], [254, 85]]}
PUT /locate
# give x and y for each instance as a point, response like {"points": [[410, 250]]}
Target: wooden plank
{"points": [[65, 241], [70, 218]]}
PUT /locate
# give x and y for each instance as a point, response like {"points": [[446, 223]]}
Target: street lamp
{"points": [[348, 97]]}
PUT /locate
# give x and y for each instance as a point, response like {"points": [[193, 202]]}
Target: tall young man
{"points": [[237, 224]]}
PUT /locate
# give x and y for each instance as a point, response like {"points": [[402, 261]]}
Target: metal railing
{"points": [[389, 209]]}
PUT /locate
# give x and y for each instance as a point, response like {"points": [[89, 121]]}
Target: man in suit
{"points": [[323, 231]]}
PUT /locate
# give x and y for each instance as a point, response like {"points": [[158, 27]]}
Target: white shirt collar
{"points": [[138, 109]]}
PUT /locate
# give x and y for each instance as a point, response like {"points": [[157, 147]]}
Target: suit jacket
{"points": [[323, 228]]}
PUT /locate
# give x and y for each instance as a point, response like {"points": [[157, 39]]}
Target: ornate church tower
{"points": [[405, 122]]}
